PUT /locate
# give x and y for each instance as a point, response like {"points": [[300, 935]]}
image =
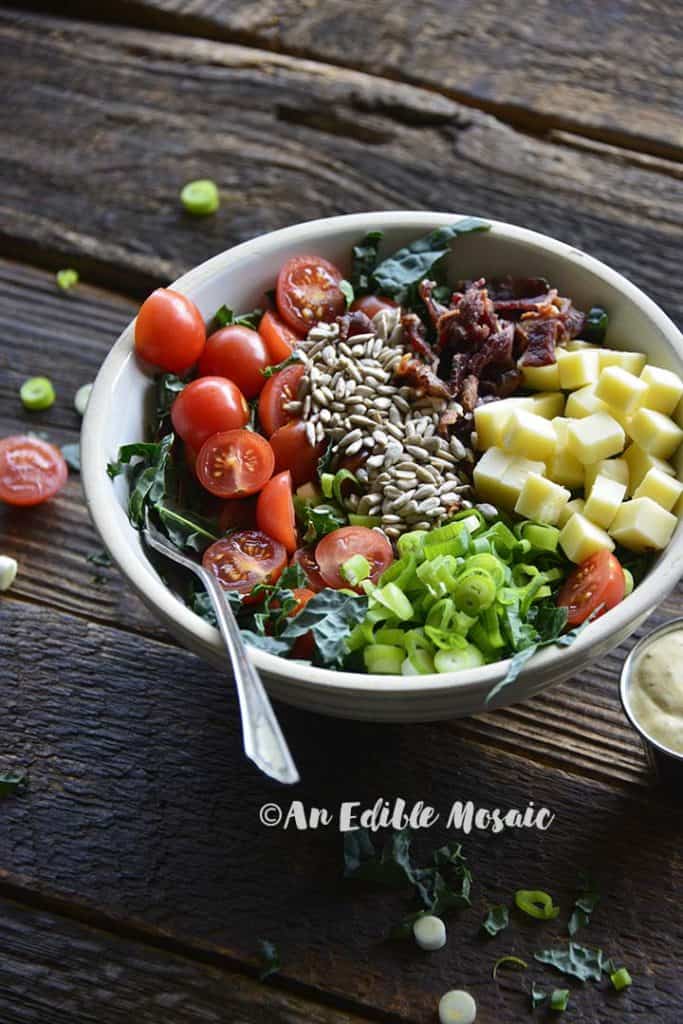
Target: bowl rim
{"points": [[199, 634]]}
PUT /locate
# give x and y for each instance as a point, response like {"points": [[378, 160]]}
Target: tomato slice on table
{"points": [[293, 451], [205, 407], [305, 557], [371, 305], [308, 290], [31, 470], [169, 331], [275, 511], [239, 354], [277, 392], [337, 547], [279, 339], [235, 463], [244, 559], [599, 580]]}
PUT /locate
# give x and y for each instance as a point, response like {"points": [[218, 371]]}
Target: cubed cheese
{"points": [[580, 538], [662, 488], [602, 504], [664, 389], [574, 344], [541, 499], [578, 368], [639, 463], [499, 477], [615, 469], [570, 509], [631, 361], [655, 432], [620, 389], [541, 378], [529, 435], [584, 403], [643, 525], [562, 467], [595, 437], [546, 403], [490, 420]]}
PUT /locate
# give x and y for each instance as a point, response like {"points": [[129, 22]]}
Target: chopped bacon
{"points": [[351, 324], [538, 341], [448, 420], [414, 333], [421, 377], [469, 392], [496, 350], [434, 308]]}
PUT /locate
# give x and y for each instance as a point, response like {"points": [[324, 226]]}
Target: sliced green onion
{"points": [[541, 538], [559, 999], [536, 903], [66, 279], [37, 393], [355, 569], [474, 592], [456, 661], [621, 979], [420, 663], [369, 521], [411, 543], [341, 477], [392, 598], [383, 659], [513, 961], [388, 635], [629, 582], [455, 536], [326, 481], [200, 197]]}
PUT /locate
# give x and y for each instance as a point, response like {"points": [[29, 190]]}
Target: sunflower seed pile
{"points": [[413, 478]]}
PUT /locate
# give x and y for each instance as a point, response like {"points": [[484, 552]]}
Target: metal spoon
{"points": [[261, 734]]}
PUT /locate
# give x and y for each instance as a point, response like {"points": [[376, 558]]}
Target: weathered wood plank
{"points": [[140, 805], [286, 140], [610, 73]]}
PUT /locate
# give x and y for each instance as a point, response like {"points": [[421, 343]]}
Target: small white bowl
{"points": [[238, 278]]}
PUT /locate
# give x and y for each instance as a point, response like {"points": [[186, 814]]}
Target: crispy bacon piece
{"points": [[434, 308], [470, 324], [420, 376], [351, 324], [447, 421], [538, 339], [496, 350], [469, 392], [414, 333]]}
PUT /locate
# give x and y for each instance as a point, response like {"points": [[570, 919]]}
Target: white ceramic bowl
{"points": [[238, 277]]}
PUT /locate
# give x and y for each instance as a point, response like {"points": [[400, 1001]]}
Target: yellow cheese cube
{"points": [[620, 389], [639, 463], [664, 489], [602, 504], [541, 499], [595, 437], [528, 434], [541, 378], [580, 538], [490, 420], [574, 344], [546, 403], [562, 467], [578, 368], [631, 361], [643, 525], [655, 432], [664, 389], [570, 509], [615, 469], [584, 403], [499, 477]]}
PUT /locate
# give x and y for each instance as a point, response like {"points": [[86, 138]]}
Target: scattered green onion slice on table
{"points": [[536, 904], [512, 961], [66, 279], [621, 979], [37, 393], [559, 999], [200, 197]]}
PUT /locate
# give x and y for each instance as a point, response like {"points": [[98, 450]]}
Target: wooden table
{"points": [[135, 876]]}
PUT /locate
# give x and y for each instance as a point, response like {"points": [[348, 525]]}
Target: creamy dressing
{"points": [[656, 693]]}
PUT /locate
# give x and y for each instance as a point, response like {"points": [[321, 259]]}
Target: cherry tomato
{"points": [[239, 354], [169, 331], [245, 558], [279, 339], [293, 451], [305, 557], [205, 407], [31, 470], [307, 291], [278, 390], [340, 545], [599, 580], [302, 595], [235, 463], [275, 510], [371, 305], [237, 514]]}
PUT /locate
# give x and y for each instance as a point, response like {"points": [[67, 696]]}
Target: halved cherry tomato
{"points": [[205, 407], [31, 470], [245, 558], [237, 514], [371, 305], [279, 339], [275, 510], [169, 331], [277, 392], [308, 290], [305, 557], [239, 354], [235, 463], [340, 545], [293, 451], [599, 580]]}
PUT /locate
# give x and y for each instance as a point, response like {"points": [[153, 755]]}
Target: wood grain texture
{"points": [[610, 71], [141, 806], [286, 140]]}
